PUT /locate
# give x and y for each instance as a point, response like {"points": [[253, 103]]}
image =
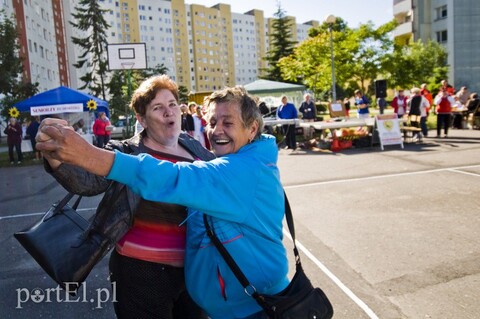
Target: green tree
{"points": [[183, 94], [281, 45], [416, 63], [10, 62], [118, 102], [311, 61], [12, 85], [374, 44], [89, 19], [156, 70], [358, 54]]}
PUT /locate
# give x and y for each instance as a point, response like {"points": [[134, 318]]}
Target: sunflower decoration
{"points": [[13, 112], [92, 105]]}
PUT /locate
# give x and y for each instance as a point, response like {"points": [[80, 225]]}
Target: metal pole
{"points": [[334, 92], [129, 92]]}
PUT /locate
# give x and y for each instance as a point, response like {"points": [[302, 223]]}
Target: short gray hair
{"points": [[250, 112]]}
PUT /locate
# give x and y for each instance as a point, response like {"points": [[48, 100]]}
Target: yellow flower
{"points": [[13, 112], [92, 105]]}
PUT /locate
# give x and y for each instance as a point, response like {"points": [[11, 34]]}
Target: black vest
{"points": [[415, 105]]}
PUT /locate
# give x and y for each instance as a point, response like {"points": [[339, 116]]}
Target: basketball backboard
{"points": [[127, 56]]}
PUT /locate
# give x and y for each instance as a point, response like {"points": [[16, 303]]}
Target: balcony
{"points": [[402, 7], [403, 29]]}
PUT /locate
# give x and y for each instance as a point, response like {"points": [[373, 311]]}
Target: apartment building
{"points": [[42, 41], [453, 23], [203, 48], [245, 48]]}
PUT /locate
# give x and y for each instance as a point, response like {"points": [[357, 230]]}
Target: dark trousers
{"points": [[443, 120], [458, 121], [18, 148], [423, 125], [289, 132], [150, 290], [102, 140]]}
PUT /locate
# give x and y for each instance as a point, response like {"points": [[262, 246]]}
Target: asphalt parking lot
{"points": [[386, 234]]}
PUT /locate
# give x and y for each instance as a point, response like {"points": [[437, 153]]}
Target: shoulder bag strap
{"points": [[61, 204], [249, 288], [291, 228]]}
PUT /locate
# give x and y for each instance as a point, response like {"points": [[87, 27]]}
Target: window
{"points": [[442, 36], [441, 12]]}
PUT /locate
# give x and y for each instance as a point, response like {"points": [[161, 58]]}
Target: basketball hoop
{"points": [[127, 65]]}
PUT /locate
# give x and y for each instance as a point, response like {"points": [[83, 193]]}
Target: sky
{"points": [[354, 12]]}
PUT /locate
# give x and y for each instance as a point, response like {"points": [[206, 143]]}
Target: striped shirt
{"points": [[156, 234]]}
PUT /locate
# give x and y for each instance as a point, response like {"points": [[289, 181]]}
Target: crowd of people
{"points": [[453, 108]]}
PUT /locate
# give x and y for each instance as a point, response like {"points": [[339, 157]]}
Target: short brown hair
{"points": [[248, 107], [149, 88]]}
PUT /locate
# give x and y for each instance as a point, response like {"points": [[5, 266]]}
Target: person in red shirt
{"points": [[447, 87], [444, 103], [399, 104], [428, 95], [102, 134]]}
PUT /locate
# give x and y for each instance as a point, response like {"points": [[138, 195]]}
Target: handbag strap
{"points": [[248, 287], [291, 228], [61, 204]]}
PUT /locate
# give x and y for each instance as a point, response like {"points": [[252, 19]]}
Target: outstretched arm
{"points": [[59, 142]]}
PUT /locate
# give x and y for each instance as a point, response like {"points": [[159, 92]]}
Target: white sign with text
{"points": [[388, 127], [56, 109]]}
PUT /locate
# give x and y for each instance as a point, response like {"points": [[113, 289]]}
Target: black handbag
{"points": [[300, 300], [64, 244]]}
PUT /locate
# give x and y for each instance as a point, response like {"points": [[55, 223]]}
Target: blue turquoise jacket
{"points": [[242, 195]]}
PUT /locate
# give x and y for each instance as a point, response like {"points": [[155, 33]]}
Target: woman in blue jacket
{"points": [[240, 192]]}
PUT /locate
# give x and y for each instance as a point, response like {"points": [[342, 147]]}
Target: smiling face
{"points": [[162, 117], [226, 131]]}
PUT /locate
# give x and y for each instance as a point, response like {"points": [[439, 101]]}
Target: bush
{"points": [[322, 107]]}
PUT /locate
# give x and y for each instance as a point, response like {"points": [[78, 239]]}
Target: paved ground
{"points": [[387, 234]]}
